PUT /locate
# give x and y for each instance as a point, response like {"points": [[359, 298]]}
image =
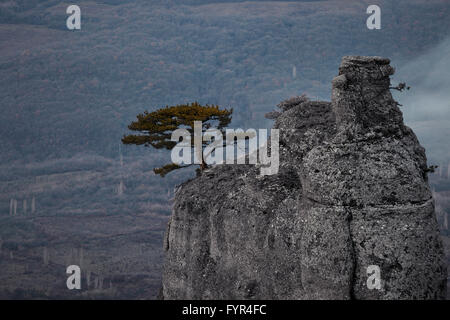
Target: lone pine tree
{"points": [[156, 127]]}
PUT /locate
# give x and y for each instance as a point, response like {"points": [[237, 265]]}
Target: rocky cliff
{"points": [[351, 192]]}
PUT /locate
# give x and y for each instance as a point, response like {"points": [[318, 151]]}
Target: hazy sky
{"points": [[426, 106]]}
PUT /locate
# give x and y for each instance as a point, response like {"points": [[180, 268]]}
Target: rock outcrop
{"points": [[351, 192]]}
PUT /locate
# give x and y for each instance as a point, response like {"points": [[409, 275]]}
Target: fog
{"points": [[426, 106]]}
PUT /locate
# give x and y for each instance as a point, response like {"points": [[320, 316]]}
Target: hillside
{"points": [[67, 98]]}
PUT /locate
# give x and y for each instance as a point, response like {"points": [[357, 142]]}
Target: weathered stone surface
{"points": [[351, 192]]}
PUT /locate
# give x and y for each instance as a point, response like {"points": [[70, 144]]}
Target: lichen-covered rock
{"points": [[351, 192]]}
